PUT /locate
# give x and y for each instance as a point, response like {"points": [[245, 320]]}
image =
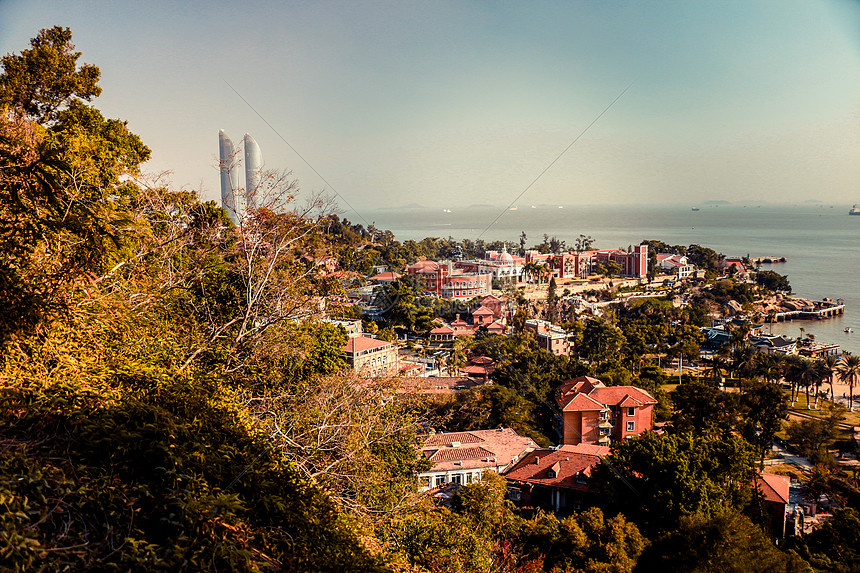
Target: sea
{"points": [[821, 242]]}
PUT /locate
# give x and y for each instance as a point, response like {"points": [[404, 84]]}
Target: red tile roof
{"points": [[615, 395], [571, 465], [442, 330], [582, 402], [359, 343], [386, 276], [583, 393], [482, 311], [476, 449], [773, 487]]}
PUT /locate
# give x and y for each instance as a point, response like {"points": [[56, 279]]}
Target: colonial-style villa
{"points": [[593, 413], [371, 357], [461, 457], [556, 479]]}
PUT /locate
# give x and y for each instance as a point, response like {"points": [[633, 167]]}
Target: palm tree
{"points": [[827, 367], [717, 367], [807, 376], [849, 372], [793, 367], [744, 360]]}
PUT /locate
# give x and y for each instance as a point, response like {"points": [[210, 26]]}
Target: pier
{"points": [[820, 309]]}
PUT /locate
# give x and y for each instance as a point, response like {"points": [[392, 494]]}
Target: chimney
{"points": [[537, 460]]}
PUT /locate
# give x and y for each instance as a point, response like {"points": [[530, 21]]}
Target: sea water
{"points": [[820, 242]]}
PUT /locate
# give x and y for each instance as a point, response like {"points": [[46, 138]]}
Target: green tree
{"points": [[552, 301], [41, 81], [764, 408], [658, 479], [701, 408], [814, 437], [849, 373], [727, 541]]}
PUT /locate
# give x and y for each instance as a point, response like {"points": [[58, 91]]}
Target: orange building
{"points": [[593, 413]]}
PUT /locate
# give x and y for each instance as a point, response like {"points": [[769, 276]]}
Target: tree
{"points": [[727, 541], [600, 340], [63, 211], [763, 408], [772, 281], [849, 373], [583, 243], [701, 408], [827, 369], [658, 479], [552, 301], [41, 81], [814, 437], [834, 546]]}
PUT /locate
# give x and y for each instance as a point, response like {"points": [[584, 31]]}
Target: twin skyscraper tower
{"points": [[235, 199]]}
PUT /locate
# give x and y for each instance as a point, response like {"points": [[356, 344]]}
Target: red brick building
{"points": [[445, 280], [555, 479], [593, 413]]}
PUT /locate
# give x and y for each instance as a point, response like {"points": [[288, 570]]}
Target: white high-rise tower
{"points": [[253, 171], [229, 167]]}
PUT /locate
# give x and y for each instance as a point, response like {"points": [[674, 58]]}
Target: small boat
{"points": [[849, 330], [694, 209], [854, 210]]}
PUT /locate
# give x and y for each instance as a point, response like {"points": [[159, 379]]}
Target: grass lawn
{"points": [[852, 418]]}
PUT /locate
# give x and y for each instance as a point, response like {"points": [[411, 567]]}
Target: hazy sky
{"points": [[450, 103]]}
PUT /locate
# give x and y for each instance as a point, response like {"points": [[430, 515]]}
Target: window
{"points": [[550, 474], [440, 480], [457, 478], [631, 426], [631, 411], [514, 494]]}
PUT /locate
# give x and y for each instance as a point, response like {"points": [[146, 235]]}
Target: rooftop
{"points": [[475, 449]]}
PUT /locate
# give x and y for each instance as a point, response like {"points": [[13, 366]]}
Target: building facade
{"points": [[593, 413], [445, 280], [461, 457], [370, 356], [229, 168], [556, 479]]}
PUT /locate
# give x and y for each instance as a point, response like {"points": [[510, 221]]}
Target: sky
{"points": [[447, 104]]}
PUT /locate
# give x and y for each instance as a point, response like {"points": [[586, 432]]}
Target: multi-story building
{"points": [[579, 264], [593, 413], [556, 479], [504, 267], [549, 336], [370, 356], [461, 457], [446, 280], [675, 264]]}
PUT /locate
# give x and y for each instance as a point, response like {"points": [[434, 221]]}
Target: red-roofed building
{"points": [[593, 413], [555, 479], [479, 367], [370, 356], [386, 277], [445, 280], [499, 305], [482, 316], [461, 457], [774, 492], [734, 262], [442, 333]]}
